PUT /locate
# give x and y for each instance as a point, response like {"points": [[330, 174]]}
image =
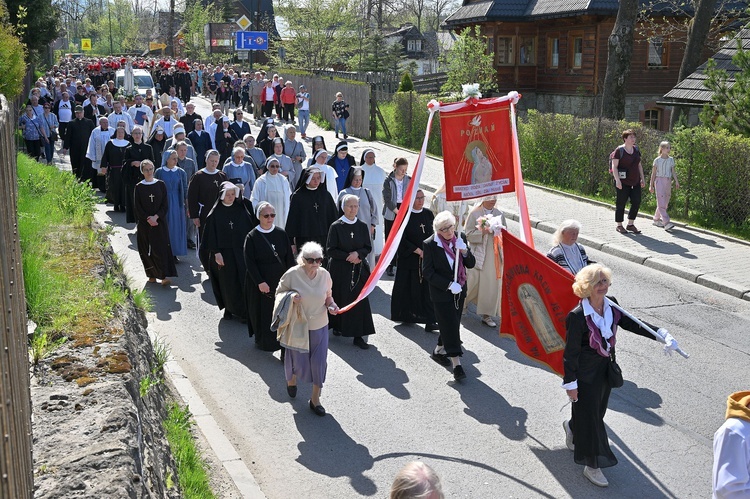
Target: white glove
{"points": [[455, 288], [670, 344], [460, 244]]}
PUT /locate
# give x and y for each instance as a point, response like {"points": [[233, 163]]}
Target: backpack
{"points": [[619, 151]]}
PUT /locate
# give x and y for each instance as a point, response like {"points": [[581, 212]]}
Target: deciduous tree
{"points": [[469, 62], [618, 60], [729, 108]]}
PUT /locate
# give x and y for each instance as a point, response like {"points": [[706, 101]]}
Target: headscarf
{"points": [[354, 170], [261, 206], [365, 153], [226, 186]]}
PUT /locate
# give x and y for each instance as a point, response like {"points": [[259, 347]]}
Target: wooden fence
{"points": [[16, 477]]}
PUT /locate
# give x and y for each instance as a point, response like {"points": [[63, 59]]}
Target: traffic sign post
{"points": [[251, 40]]}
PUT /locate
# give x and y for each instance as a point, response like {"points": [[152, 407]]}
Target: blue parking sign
{"points": [[251, 40]]}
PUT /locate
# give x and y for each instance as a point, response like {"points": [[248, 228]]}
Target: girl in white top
{"points": [[661, 179]]}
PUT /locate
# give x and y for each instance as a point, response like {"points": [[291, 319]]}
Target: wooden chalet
{"points": [[691, 91], [555, 53]]}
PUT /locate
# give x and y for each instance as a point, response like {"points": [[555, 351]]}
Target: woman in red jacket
{"points": [[288, 100]]}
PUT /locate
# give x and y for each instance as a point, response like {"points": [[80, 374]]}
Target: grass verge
{"points": [[322, 122], [191, 469]]}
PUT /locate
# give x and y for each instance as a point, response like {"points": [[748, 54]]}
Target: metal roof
{"points": [[692, 90]]}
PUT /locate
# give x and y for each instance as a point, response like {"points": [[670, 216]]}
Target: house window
{"points": [[527, 51], [554, 52], [504, 52], [651, 118], [414, 45], [576, 50], [657, 55]]}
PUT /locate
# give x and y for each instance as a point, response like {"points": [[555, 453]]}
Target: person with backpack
{"points": [[627, 170]]}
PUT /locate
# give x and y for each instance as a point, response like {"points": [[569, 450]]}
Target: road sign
{"points": [[251, 40], [243, 22], [156, 46], [86, 44]]}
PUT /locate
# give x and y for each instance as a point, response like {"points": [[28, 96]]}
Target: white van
{"points": [[143, 81]]}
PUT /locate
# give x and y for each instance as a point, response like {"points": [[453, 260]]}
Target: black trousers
{"points": [[628, 192], [268, 109], [448, 318], [288, 112]]}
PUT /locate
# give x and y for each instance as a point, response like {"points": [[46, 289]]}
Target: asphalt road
{"points": [[496, 434]]}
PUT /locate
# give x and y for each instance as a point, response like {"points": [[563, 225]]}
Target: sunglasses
{"points": [[319, 261], [269, 215]]}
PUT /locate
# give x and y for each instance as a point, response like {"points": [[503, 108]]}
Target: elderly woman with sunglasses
{"points": [[441, 253], [312, 288], [268, 255]]}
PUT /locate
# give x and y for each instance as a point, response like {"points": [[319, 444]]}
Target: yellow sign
{"points": [[243, 22], [86, 44], [156, 46]]}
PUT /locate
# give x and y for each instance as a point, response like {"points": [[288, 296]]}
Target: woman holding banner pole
{"points": [[445, 259], [589, 350]]}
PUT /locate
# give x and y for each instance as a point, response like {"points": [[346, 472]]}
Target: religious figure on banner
{"points": [[536, 313], [478, 149]]}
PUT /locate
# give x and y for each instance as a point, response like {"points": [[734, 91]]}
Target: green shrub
{"points": [[406, 84], [12, 63], [410, 116]]}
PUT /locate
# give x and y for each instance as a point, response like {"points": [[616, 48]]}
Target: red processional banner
{"points": [[478, 149], [537, 295]]}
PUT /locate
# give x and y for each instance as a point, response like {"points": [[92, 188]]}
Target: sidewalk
{"points": [[718, 262]]}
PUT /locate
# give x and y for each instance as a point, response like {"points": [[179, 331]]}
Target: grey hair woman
{"points": [[566, 252], [311, 285]]}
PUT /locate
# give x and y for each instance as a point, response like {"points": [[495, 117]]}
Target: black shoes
{"points": [[358, 341], [458, 373], [228, 315], [389, 271], [431, 326], [335, 332], [441, 359], [190, 244], [176, 260], [291, 390], [319, 410]]}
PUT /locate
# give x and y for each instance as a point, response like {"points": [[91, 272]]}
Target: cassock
{"points": [[203, 191], [410, 298], [76, 140], [268, 255], [150, 199], [112, 160], [201, 143], [131, 175], [311, 213], [225, 233], [348, 278], [115, 118], [175, 180]]}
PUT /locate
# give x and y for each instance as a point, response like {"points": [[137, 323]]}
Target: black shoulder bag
{"points": [[614, 373]]}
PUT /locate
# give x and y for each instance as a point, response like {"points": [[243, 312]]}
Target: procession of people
{"points": [[286, 242]]}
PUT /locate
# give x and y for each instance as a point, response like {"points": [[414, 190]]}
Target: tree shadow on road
{"points": [[490, 408], [694, 238], [326, 449], [375, 370]]}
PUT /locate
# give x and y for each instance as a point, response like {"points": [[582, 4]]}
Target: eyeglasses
{"points": [[269, 215], [446, 229], [319, 261], [419, 197]]}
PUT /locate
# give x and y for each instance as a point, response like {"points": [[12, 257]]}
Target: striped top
{"points": [[664, 167]]}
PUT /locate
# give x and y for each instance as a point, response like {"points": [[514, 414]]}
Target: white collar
{"points": [[204, 170], [417, 211], [120, 142], [237, 165], [603, 323], [170, 169], [356, 188], [150, 183], [347, 221], [199, 132], [266, 231]]}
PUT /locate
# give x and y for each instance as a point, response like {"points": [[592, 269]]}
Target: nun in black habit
{"points": [[410, 298], [348, 245], [227, 225], [311, 210], [268, 255]]}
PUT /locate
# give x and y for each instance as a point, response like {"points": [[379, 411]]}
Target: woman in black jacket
{"points": [[225, 139], [591, 336], [441, 252]]}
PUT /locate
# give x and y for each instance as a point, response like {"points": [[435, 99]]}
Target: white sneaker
{"points": [[669, 226], [568, 436], [489, 321], [658, 223], [595, 476]]}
